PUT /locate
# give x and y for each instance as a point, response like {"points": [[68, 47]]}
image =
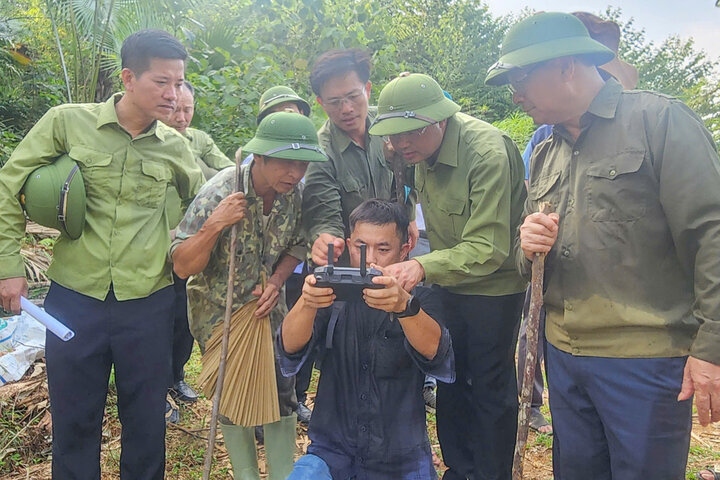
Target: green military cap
{"points": [[288, 136], [54, 196], [409, 102], [280, 94], [543, 37]]}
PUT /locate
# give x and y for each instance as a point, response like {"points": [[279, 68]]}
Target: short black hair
{"points": [[190, 87], [141, 46], [337, 62], [381, 212]]}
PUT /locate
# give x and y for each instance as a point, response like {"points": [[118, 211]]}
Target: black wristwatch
{"points": [[412, 308]]}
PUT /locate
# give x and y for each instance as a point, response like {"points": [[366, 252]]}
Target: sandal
{"points": [[715, 472], [538, 421]]}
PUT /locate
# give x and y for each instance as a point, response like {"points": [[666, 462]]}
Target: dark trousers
{"points": [[477, 415], [134, 337], [182, 338], [617, 418]]}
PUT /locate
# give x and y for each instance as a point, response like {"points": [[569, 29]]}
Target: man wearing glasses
{"points": [[633, 311], [470, 182], [357, 169]]}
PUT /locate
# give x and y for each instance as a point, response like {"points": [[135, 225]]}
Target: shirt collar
{"points": [[448, 154], [108, 115], [605, 103]]}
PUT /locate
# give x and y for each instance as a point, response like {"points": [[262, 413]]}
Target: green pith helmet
{"points": [[288, 136], [543, 37], [280, 94], [409, 102], [54, 196]]}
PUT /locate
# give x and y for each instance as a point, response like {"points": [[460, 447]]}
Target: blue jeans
{"points": [[310, 467], [617, 418]]}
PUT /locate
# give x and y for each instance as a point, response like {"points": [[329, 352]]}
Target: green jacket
{"points": [[126, 237], [352, 175], [635, 270], [472, 198]]}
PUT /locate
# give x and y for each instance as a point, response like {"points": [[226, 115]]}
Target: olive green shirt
{"points": [[208, 156], [635, 269], [259, 248], [210, 160], [125, 239], [472, 198], [352, 175]]}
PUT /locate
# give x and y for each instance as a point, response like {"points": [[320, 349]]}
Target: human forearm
{"points": [[192, 255], [297, 327], [423, 333], [284, 268], [322, 207]]}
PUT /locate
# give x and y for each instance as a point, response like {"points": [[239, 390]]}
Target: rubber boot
{"points": [[240, 445], [280, 447]]}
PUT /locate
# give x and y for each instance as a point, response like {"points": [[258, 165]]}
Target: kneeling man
{"points": [[369, 416]]}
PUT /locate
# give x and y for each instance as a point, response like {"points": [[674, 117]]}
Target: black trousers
{"points": [[134, 337], [477, 415], [182, 338]]}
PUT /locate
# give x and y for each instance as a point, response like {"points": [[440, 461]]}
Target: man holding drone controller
{"points": [[376, 347]]}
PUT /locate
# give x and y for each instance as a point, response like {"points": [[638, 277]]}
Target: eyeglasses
{"points": [[418, 132], [353, 98], [518, 84]]}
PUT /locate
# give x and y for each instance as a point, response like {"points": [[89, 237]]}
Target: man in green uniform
{"points": [[209, 157], [470, 182], [112, 285], [270, 242], [210, 160], [632, 277], [357, 170]]}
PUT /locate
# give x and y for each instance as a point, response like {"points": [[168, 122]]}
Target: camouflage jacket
{"points": [[258, 249]]}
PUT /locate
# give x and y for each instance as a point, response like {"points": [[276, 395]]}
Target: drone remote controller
{"points": [[347, 282]]}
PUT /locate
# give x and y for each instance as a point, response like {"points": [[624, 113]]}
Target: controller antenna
{"points": [[363, 259], [331, 255]]}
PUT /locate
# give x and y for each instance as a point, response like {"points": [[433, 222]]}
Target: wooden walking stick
{"points": [[532, 327], [226, 333]]}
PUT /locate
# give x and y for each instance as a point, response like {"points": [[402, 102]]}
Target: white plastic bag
{"points": [[22, 341]]}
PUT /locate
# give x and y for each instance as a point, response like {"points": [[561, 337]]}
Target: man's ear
{"points": [[368, 89], [127, 76], [319, 100], [567, 67], [404, 251]]}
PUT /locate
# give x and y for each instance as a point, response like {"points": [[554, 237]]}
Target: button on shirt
{"points": [[125, 239], [635, 270], [472, 199], [369, 416]]}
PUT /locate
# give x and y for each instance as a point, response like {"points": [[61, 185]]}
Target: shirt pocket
{"points": [[392, 360], [152, 184], [453, 208], [546, 189], [93, 166], [617, 189], [351, 186]]}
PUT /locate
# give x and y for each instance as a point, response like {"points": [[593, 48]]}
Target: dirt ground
{"points": [[24, 450]]}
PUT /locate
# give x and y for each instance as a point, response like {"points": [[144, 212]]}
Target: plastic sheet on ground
{"points": [[22, 341]]}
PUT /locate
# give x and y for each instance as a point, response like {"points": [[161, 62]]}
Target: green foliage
{"points": [[239, 48], [519, 127]]}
